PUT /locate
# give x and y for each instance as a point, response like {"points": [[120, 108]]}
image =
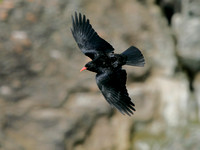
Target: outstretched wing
{"points": [[114, 90], [86, 37]]}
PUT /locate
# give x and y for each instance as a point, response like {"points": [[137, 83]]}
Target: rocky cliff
{"points": [[46, 104]]}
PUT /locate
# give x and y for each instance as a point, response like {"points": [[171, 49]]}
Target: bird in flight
{"points": [[110, 77]]}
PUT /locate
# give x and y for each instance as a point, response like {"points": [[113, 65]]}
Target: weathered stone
{"points": [[163, 98], [197, 93], [113, 133], [187, 27], [173, 99], [145, 99]]}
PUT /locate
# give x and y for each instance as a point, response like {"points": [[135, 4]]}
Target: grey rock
{"points": [[187, 27], [174, 96], [145, 100], [163, 98], [197, 93]]}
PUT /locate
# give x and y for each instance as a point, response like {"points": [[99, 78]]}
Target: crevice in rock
{"points": [[77, 127], [188, 72], [70, 92], [139, 78], [169, 8], [182, 68], [190, 76], [88, 131], [131, 136]]}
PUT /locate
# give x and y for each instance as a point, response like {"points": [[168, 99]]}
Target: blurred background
{"points": [[46, 104]]}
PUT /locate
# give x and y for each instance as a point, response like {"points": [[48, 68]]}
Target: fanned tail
{"points": [[134, 57]]}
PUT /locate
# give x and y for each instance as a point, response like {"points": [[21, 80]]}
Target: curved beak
{"points": [[84, 68]]}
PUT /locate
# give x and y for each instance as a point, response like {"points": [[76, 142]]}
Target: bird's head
{"points": [[91, 66]]}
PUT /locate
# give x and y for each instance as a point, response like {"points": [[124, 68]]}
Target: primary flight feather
{"points": [[110, 77], [86, 37]]}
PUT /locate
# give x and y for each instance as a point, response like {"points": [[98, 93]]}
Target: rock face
{"points": [[46, 104], [197, 93], [187, 27]]}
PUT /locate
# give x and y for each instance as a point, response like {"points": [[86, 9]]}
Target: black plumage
{"points": [[110, 77], [87, 39]]}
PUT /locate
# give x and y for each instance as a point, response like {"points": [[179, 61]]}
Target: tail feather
{"points": [[134, 57]]}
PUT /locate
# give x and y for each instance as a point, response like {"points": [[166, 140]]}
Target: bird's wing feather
{"points": [[86, 37], [114, 90]]}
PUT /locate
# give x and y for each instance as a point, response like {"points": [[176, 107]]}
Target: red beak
{"points": [[84, 68]]}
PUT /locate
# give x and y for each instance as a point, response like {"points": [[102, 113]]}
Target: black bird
{"points": [[110, 77]]}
